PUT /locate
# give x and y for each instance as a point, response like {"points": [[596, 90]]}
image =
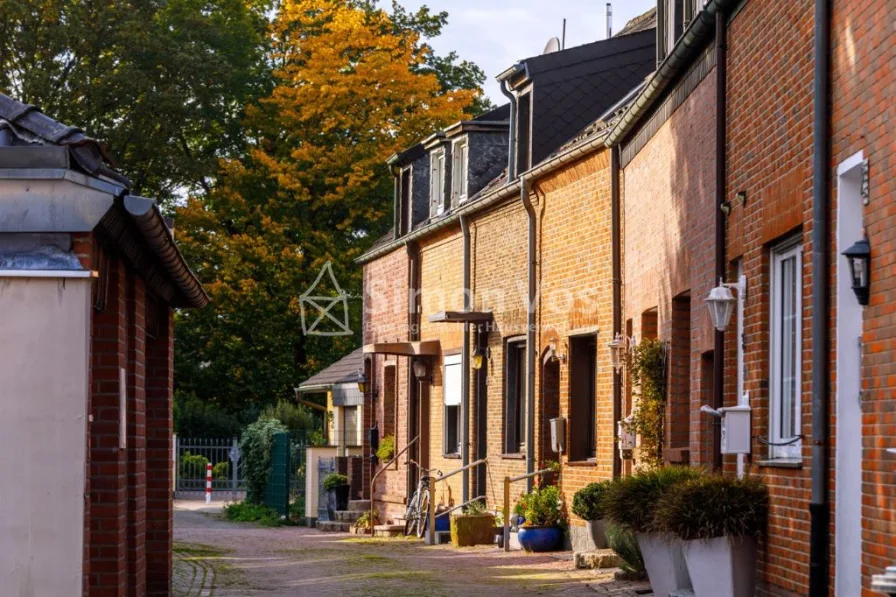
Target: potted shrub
{"points": [[631, 502], [475, 526], [542, 529], [587, 504], [337, 488], [719, 519]]}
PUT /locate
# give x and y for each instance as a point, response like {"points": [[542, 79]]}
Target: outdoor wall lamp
{"points": [[364, 384], [859, 257], [419, 367], [480, 356], [556, 356], [618, 348], [721, 301]]}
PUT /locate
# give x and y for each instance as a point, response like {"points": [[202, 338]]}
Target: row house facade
{"points": [[753, 151]]}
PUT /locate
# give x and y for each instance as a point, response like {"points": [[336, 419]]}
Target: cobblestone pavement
{"points": [[216, 558]]}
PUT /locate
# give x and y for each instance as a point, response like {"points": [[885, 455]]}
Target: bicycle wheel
{"points": [[423, 514], [410, 517]]}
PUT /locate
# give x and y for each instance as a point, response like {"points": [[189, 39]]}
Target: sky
{"points": [[496, 33]]}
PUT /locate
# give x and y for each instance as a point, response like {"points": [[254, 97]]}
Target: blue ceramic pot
{"points": [[443, 523], [540, 538]]}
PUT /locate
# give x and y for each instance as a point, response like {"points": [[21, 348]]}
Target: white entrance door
{"points": [[848, 464]]}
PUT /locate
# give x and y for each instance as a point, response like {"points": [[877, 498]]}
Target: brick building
{"points": [[525, 182], [89, 278]]}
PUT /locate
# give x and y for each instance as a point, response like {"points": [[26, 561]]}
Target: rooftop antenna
{"points": [[609, 20], [563, 39]]}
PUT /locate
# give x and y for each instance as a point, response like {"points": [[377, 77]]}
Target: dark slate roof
{"points": [[383, 240], [498, 114], [601, 126], [640, 23], [574, 86], [345, 370]]}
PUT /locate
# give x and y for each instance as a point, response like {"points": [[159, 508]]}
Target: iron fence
{"points": [[192, 455]]}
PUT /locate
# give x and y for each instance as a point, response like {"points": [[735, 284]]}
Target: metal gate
{"points": [[298, 444], [325, 466], [192, 455]]}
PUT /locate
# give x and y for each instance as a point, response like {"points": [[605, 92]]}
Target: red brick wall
{"points": [[668, 248], [864, 85], [385, 320], [770, 64]]}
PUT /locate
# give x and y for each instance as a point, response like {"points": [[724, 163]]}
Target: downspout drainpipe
{"points": [[718, 386], [413, 406], [819, 511], [511, 142], [465, 366], [616, 236], [530, 337]]}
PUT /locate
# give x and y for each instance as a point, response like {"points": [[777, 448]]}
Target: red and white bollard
{"points": [[208, 483]]}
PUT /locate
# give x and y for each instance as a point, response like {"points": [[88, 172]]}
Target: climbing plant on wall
{"points": [[647, 362]]}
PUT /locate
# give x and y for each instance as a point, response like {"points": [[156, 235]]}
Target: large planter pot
{"points": [[664, 561], [540, 538], [472, 529], [722, 567], [337, 499], [597, 533]]}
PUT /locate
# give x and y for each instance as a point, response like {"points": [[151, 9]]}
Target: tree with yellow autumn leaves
{"points": [[353, 84]]}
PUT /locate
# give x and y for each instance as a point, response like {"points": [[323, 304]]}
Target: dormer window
{"points": [[459, 156], [437, 182]]}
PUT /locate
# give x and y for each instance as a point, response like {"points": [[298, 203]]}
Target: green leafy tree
{"points": [[350, 90], [162, 84]]}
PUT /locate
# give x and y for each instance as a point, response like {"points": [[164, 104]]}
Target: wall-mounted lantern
{"points": [[721, 302], [420, 371], [480, 356], [618, 348], [859, 257], [363, 383]]}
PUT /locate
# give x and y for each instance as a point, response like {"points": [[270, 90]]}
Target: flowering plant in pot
{"points": [[543, 527], [337, 488], [719, 519], [631, 503], [587, 504]]}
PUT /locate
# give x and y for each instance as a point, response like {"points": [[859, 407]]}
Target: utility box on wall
{"points": [[558, 435], [736, 437]]}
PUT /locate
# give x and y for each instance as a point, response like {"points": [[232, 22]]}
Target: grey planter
{"points": [[664, 561], [722, 567], [597, 533]]}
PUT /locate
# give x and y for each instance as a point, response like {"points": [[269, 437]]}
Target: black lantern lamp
{"points": [[859, 256], [420, 372], [363, 383], [480, 356]]}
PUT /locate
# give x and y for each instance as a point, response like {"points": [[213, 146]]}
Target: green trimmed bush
{"points": [[334, 480], [249, 512], [587, 503], [192, 466], [714, 506], [631, 501], [221, 471]]}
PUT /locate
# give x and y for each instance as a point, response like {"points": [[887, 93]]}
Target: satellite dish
{"points": [[552, 46]]}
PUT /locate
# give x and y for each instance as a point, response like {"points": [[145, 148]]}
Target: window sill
{"points": [[513, 456], [454, 456], [582, 463], [793, 463]]}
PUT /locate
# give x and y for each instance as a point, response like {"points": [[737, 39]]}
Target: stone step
{"points": [[359, 505], [331, 526], [348, 515], [388, 530], [682, 593], [597, 559]]}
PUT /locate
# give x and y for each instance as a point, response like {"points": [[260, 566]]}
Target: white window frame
{"points": [[437, 177], [453, 360], [460, 151], [791, 249]]}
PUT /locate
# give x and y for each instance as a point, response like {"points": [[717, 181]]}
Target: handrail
{"points": [[377, 474], [459, 506], [430, 531], [507, 481]]}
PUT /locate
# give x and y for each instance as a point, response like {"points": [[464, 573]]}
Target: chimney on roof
{"points": [[609, 20]]}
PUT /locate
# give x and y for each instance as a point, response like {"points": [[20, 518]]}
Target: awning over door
{"points": [[426, 348]]}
